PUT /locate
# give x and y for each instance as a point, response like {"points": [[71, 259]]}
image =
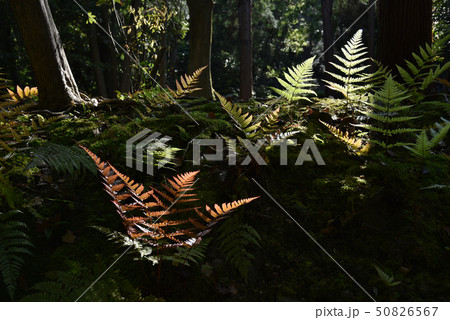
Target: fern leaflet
{"points": [[298, 82]]}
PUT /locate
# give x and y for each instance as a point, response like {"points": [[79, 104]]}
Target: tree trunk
{"points": [[200, 29], [245, 48], [98, 70], [404, 25], [163, 62], [327, 20], [372, 18], [57, 86]]}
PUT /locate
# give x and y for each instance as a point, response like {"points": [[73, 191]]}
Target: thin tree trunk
{"points": [[404, 25], [57, 86], [327, 20], [163, 62], [109, 56], [98, 70], [245, 48], [200, 28], [372, 17]]}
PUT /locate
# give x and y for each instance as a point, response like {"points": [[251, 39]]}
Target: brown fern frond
{"points": [[23, 94], [164, 219], [187, 84], [227, 207], [356, 145]]}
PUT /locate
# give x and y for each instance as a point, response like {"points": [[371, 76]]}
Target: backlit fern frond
{"points": [[23, 94], [359, 146], [242, 120], [385, 278], [271, 120], [386, 109], [15, 244], [351, 77], [298, 82], [422, 147], [277, 138], [187, 84], [424, 70], [163, 218]]}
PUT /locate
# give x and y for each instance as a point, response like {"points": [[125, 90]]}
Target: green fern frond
{"points": [[271, 120], [186, 256], [62, 159], [386, 107], [235, 239], [68, 285], [15, 244], [422, 147], [385, 278], [353, 82], [424, 69], [243, 121], [298, 82]]}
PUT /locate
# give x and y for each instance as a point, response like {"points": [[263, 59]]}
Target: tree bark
{"points": [[200, 29], [98, 70], [327, 21], [57, 86], [245, 48], [404, 25], [372, 18]]}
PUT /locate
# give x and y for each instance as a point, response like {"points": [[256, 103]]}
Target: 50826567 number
{"points": [[406, 312]]}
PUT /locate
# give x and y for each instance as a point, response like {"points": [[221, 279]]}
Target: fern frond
{"points": [[279, 137], [353, 82], [386, 108], [68, 285], [235, 239], [165, 218], [243, 121], [15, 244], [23, 94], [422, 147], [424, 70], [385, 278], [187, 84], [359, 146], [62, 159], [298, 82]]}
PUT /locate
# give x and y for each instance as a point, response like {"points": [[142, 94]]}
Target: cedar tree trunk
{"points": [[200, 28]]}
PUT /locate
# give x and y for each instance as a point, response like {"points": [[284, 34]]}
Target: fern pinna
{"points": [[164, 220]]}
